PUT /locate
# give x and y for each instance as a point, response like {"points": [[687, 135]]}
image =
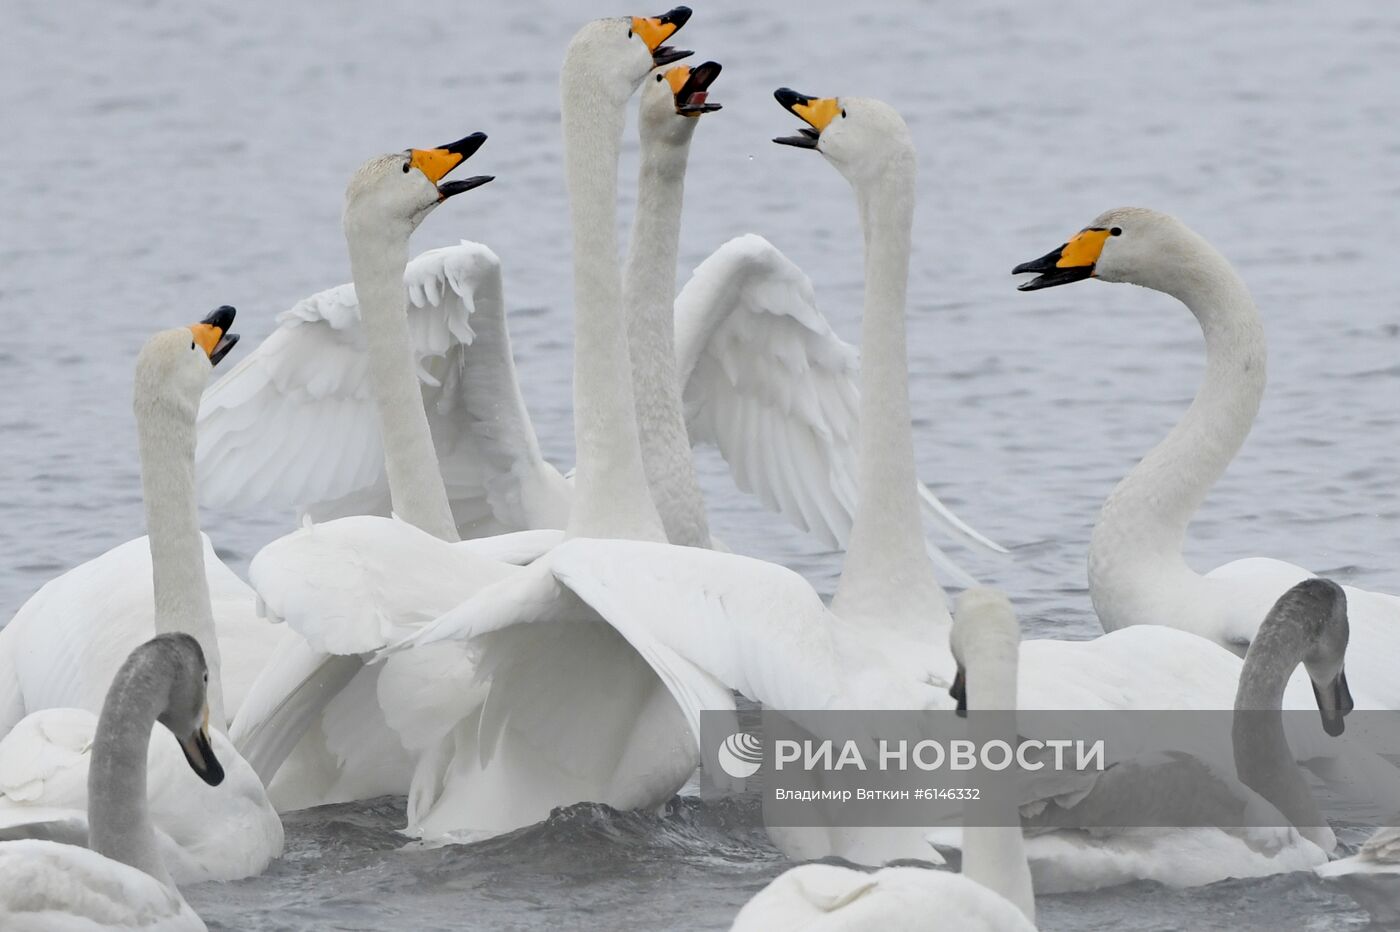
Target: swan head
{"points": [[608, 58], [862, 137], [400, 190], [986, 637], [672, 99], [1126, 244], [174, 365], [186, 711], [1313, 614]]}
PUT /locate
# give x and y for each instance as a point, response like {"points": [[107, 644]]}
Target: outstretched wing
{"points": [[767, 381], [294, 425]]}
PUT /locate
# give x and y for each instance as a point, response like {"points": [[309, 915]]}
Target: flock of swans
{"points": [[459, 621]]}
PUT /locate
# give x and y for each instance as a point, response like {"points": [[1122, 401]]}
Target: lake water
{"points": [[163, 158]]}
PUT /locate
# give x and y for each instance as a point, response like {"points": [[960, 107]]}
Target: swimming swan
{"points": [[120, 882], [1257, 773], [993, 892], [764, 378], [63, 645], [1137, 574], [872, 643], [315, 702]]}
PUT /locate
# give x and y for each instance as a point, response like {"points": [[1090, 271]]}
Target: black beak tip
{"points": [[221, 349], [676, 16], [467, 145], [789, 98], [221, 317], [208, 766], [1334, 725], [665, 55]]}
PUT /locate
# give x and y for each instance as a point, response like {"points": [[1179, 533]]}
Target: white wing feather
{"points": [[293, 424], [768, 382]]}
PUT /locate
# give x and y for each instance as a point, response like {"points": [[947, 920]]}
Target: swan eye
{"points": [[191, 344], [1116, 231], [629, 33], [406, 167], [659, 77], [843, 113]]}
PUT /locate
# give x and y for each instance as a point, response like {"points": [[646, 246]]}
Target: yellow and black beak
{"points": [[691, 87], [436, 163], [959, 692], [212, 334], [655, 30], [1072, 262], [199, 753], [816, 112]]}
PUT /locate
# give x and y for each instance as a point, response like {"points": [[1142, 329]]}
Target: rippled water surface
{"points": [[161, 158]]}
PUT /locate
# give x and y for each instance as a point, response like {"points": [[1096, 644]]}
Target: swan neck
{"points": [[610, 492], [166, 438], [1142, 527], [378, 257], [119, 822], [1263, 760], [649, 294], [994, 851], [886, 552]]}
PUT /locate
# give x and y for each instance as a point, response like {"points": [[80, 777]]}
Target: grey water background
{"points": [[162, 158]]}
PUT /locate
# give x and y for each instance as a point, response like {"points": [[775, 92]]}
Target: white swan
{"points": [[203, 833], [765, 379], [121, 881], [1137, 574], [532, 629], [734, 623], [63, 645], [993, 892], [1257, 774], [314, 700], [44, 758]]}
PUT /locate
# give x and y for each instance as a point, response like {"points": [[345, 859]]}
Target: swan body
{"points": [[992, 893], [120, 882], [64, 644], [731, 622], [827, 898], [1137, 574], [1286, 832], [205, 833]]}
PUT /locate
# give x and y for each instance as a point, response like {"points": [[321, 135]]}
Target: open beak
{"points": [[212, 334], [959, 692], [816, 112], [199, 753], [436, 163], [1072, 262], [1334, 702], [691, 87], [655, 30]]}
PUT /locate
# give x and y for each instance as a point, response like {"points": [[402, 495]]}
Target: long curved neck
{"points": [[610, 492], [649, 294], [1263, 760], [119, 825], [166, 437], [378, 256], [886, 559], [1143, 524], [994, 852]]}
